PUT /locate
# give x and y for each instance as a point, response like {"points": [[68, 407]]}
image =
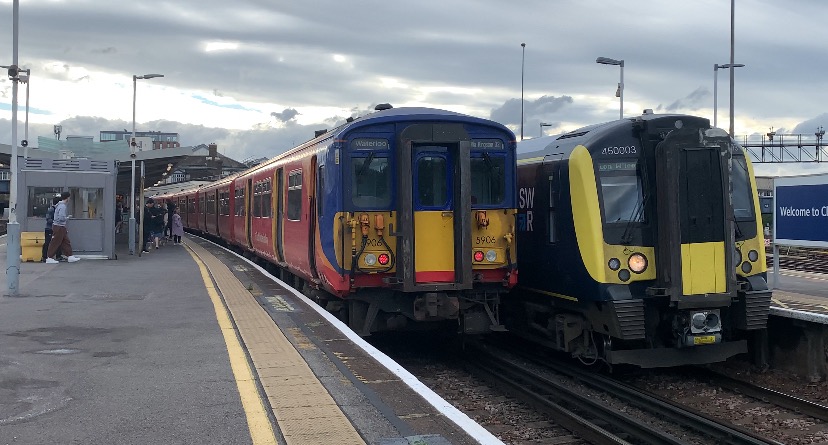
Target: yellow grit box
{"points": [[31, 246]]}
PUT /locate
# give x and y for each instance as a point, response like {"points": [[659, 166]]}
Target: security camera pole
{"points": [[13, 228]]}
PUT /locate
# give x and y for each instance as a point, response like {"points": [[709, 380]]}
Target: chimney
{"points": [[213, 149]]}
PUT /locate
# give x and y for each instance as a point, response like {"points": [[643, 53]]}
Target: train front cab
{"points": [[708, 261], [443, 241]]}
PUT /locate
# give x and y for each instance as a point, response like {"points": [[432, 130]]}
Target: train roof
{"points": [[401, 114], [561, 146]]}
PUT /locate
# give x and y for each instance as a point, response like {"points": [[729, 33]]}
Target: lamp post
{"points": [[132, 148], [620, 92], [543, 124], [13, 227], [716, 68], [522, 61], [732, 39]]}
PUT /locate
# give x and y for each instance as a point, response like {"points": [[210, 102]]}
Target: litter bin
{"points": [[31, 246]]}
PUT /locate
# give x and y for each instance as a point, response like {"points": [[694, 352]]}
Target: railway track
{"points": [[767, 395], [597, 419], [803, 259]]}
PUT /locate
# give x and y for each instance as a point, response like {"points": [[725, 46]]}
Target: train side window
{"points": [[257, 200], [267, 197], [294, 198], [552, 226]]}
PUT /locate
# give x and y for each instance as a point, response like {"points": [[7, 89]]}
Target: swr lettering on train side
{"points": [[526, 200]]}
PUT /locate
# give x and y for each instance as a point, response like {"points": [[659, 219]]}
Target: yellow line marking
{"points": [[261, 430], [776, 300]]}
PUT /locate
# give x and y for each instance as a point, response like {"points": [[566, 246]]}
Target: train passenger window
{"points": [[239, 202], [488, 179], [370, 181], [257, 200], [294, 196], [432, 182], [621, 192], [267, 195], [742, 193]]}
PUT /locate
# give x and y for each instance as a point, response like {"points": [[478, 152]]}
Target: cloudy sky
{"points": [[259, 76]]}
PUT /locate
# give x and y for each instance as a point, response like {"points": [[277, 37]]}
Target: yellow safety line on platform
{"points": [[261, 431]]}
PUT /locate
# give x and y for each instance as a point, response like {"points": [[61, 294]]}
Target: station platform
{"points": [[192, 344]]}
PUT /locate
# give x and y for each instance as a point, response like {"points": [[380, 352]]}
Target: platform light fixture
{"points": [[620, 91], [716, 68], [543, 124]]}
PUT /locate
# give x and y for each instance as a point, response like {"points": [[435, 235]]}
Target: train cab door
{"points": [[694, 221], [279, 191], [441, 214]]}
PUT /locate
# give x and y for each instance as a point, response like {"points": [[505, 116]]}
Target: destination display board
{"points": [[801, 211]]}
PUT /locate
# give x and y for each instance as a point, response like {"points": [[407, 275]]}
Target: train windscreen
{"points": [[488, 179], [371, 181], [621, 191]]}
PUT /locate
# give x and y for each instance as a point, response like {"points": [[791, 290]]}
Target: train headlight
{"points": [[478, 256], [746, 267], [705, 322], [614, 263], [637, 262], [753, 255], [384, 258], [491, 256], [370, 259], [699, 320], [624, 275]]}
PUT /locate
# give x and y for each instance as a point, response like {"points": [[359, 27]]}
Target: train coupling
{"points": [[699, 327]]}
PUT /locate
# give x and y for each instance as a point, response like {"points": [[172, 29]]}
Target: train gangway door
{"points": [[441, 205]]}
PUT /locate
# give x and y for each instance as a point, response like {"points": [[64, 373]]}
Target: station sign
{"points": [[800, 215]]}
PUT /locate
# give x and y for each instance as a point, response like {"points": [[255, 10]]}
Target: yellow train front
{"points": [[641, 243]]}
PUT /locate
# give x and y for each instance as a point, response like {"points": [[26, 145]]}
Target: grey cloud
{"points": [[692, 101], [286, 115]]}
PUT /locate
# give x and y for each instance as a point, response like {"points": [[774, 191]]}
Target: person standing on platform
{"points": [[177, 227], [60, 237], [47, 232], [170, 212], [149, 224]]}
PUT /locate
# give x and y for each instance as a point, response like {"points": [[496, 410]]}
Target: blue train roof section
{"points": [[416, 114]]}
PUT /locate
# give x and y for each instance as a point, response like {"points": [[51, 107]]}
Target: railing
{"points": [[786, 148]]}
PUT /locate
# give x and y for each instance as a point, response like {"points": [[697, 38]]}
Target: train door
{"points": [[312, 217], [248, 205], [279, 191], [441, 205], [694, 214]]}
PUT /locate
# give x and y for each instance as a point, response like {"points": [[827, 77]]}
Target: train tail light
{"points": [[383, 258]]}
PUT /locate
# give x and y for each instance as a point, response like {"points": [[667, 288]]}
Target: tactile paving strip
{"points": [[304, 410]]}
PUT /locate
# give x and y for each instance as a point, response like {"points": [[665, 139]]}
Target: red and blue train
{"points": [[396, 219]]}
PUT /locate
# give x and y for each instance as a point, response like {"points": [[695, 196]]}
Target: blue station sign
{"points": [[801, 211]]}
